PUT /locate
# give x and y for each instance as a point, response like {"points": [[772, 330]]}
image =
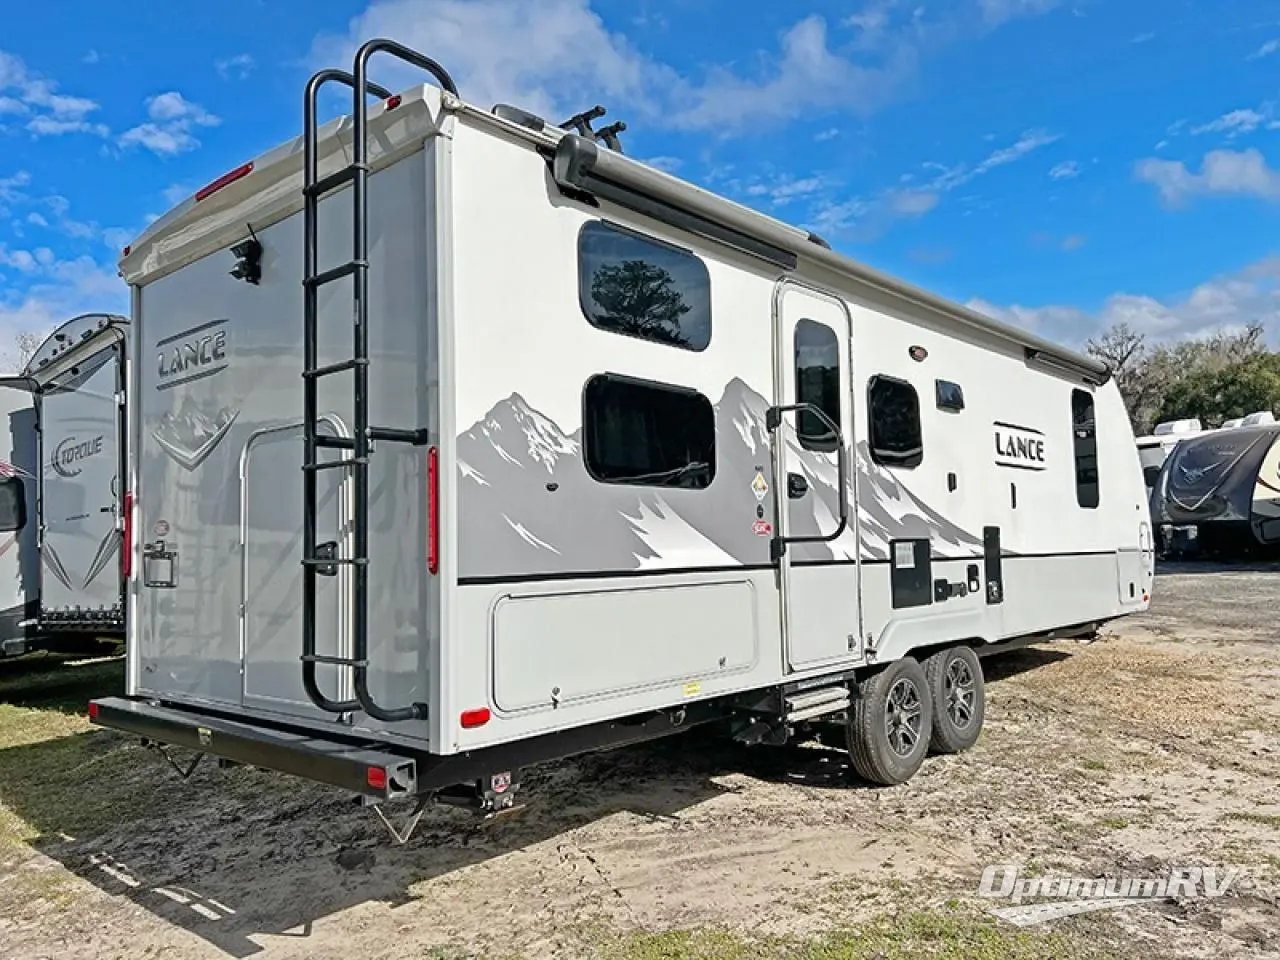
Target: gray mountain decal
{"points": [[529, 507], [190, 435]]}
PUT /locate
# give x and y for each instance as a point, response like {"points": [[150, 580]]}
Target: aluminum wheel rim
{"points": [[902, 717], [961, 690]]}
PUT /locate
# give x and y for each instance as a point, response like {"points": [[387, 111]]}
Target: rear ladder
{"points": [[322, 559]]}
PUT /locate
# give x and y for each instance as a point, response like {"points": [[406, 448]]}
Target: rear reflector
{"points": [[475, 718], [393, 102], [93, 711], [126, 558], [377, 778], [224, 180], [433, 512]]}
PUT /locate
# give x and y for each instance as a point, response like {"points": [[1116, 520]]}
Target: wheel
{"points": [[889, 723], [959, 701]]}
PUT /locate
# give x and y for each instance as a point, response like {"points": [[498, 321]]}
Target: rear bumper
{"points": [[350, 764], [89, 621]]}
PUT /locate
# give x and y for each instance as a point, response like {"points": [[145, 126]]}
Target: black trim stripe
{"points": [[742, 568], [1014, 426], [183, 334], [1020, 466]]}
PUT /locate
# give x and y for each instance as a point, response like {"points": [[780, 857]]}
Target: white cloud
{"points": [[62, 289], [238, 67], [785, 189], [168, 132], [823, 136], [176, 193], [1067, 170], [1143, 37], [1237, 122], [1223, 172], [25, 93], [996, 12], [1226, 302], [91, 57], [36, 220], [543, 54], [1266, 50], [21, 260]]}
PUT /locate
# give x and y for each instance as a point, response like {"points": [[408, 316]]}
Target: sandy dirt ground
{"points": [[1155, 746]]}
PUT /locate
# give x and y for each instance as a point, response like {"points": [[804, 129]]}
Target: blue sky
{"points": [[1060, 164]]}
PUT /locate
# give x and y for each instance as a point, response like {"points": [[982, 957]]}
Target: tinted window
{"points": [[817, 382], [642, 288], [648, 433], [1086, 448], [13, 505], [950, 396], [896, 439]]}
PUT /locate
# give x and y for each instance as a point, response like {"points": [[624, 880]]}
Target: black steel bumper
{"points": [[363, 768]]}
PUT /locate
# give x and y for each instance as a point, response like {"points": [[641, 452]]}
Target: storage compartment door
{"points": [[271, 547]]}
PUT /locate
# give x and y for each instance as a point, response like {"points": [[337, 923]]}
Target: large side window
{"points": [[652, 434], [643, 288], [894, 411], [1084, 431], [13, 505], [817, 382]]}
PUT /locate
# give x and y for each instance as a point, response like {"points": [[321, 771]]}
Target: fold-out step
{"points": [[357, 767]]}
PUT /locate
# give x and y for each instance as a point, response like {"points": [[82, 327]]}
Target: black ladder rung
{"points": [[316, 372], [335, 661], [335, 443], [335, 179], [335, 561], [335, 464], [337, 273], [392, 435]]}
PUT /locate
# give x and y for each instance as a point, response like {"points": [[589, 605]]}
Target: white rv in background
{"points": [[19, 555], [76, 379], [563, 452]]}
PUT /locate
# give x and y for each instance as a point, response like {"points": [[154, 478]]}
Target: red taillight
{"points": [[393, 102], [226, 178], [475, 718], [377, 778], [126, 545], [93, 711], [433, 511], [126, 251]]}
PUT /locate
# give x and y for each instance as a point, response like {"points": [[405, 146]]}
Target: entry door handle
{"points": [[797, 486], [772, 421]]}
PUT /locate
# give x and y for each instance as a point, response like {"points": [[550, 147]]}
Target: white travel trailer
{"points": [[19, 553], [460, 441], [76, 377]]}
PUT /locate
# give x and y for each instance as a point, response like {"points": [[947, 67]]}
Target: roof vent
{"points": [[1177, 426]]}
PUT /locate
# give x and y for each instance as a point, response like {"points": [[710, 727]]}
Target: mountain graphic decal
{"points": [[528, 506]]}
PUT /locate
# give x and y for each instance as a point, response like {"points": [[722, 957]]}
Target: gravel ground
{"points": [[1158, 745]]}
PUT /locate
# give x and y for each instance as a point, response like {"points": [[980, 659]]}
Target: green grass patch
{"points": [[1265, 819], [944, 934], [1091, 764]]}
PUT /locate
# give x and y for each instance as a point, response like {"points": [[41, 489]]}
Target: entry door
{"points": [[815, 468]]}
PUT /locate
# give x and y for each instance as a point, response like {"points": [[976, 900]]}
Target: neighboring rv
{"points": [[1221, 491], [77, 379], [19, 550], [607, 457], [1154, 448]]}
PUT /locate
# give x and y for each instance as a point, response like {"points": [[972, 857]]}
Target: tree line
{"points": [[1214, 378]]}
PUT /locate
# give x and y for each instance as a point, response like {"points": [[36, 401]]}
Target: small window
{"points": [[817, 382], [1086, 449], [950, 396], [1150, 475], [896, 439], [640, 287], [649, 434], [13, 505]]}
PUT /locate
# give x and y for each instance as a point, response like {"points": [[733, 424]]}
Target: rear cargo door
{"points": [[81, 524], [271, 537], [819, 576]]}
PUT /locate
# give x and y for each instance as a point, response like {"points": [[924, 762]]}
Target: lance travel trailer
{"points": [[460, 442], [19, 552], [65, 549], [1218, 494]]}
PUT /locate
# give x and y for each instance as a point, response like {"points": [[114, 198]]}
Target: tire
{"points": [[887, 743], [959, 698]]}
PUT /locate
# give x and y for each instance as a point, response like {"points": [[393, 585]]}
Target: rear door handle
{"points": [[797, 486]]}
